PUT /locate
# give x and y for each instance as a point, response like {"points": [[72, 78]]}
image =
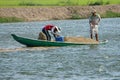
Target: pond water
{"points": [[84, 62]]}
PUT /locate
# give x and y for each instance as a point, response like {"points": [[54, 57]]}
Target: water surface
{"points": [[84, 62]]}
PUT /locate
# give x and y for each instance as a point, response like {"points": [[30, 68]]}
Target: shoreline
{"points": [[56, 12]]}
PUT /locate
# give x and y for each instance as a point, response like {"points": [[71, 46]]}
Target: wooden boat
{"points": [[35, 43]]}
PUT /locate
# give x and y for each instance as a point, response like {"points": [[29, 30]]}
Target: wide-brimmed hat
{"points": [[93, 11], [58, 29]]}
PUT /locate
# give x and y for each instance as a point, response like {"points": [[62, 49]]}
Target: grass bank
{"points": [[108, 14], [56, 2], [10, 19]]}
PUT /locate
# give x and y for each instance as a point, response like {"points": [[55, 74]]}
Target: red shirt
{"points": [[48, 27]]}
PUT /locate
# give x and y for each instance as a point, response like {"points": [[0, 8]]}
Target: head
{"points": [[93, 12]]}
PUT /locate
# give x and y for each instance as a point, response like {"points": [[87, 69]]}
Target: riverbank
{"points": [[57, 12]]}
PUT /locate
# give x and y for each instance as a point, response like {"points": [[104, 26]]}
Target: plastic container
{"points": [[60, 38]]}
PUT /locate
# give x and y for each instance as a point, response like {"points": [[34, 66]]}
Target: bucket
{"points": [[60, 38]]}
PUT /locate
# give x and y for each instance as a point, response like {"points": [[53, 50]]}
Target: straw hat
{"points": [[93, 11], [58, 29]]}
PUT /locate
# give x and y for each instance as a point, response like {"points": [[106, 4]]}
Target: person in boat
{"points": [[54, 30], [94, 20]]}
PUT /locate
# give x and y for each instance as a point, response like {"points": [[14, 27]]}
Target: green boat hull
{"points": [[36, 43]]}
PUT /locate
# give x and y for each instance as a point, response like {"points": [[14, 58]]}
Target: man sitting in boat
{"points": [[53, 29]]}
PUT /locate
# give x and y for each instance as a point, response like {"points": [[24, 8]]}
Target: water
{"points": [[84, 62]]}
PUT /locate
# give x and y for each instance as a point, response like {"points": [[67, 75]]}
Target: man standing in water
{"points": [[94, 20]]}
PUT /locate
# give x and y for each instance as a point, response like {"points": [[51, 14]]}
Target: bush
{"points": [[10, 19], [75, 16], [111, 14], [100, 2], [29, 4]]}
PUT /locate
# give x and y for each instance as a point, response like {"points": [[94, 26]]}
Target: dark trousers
{"points": [[47, 34]]}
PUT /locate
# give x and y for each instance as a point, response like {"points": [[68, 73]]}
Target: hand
{"points": [[92, 26], [57, 35]]}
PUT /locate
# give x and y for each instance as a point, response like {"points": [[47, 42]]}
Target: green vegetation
{"points": [[56, 2], [75, 14], [110, 14], [10, 19]]}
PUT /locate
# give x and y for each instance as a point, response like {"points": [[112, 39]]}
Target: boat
{"points": [[42, 43]]}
